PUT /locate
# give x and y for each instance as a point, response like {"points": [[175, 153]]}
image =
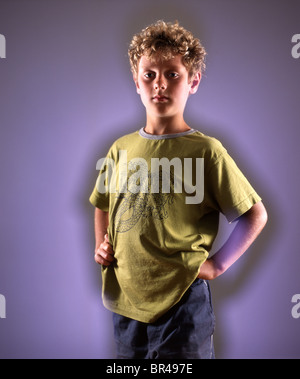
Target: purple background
{"points": [[66, 94]]}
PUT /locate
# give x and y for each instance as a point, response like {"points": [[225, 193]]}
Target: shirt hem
{"points": [[96, 202], [242, 207], [144, 316]]}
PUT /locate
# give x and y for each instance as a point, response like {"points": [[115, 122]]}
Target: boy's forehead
{"points": [[157, 61]]}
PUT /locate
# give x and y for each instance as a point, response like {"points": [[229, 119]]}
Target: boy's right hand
{"points": [[104, 255]]}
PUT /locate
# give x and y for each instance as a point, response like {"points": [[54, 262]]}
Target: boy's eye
{"points": [[149, 75]]}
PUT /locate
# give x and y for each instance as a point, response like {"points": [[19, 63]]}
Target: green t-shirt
{"points": [[164, 194]]}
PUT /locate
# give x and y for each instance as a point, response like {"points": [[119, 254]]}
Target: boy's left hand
{"points": [[209, 270]]}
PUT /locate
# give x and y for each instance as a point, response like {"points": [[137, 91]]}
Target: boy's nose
{"points": [[160, 85]]}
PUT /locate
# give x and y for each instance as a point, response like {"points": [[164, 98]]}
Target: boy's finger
{"points": [[101, 261], [107, 247], [104, 254], [107, 256]]}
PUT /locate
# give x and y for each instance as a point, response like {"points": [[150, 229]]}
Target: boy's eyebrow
{"points": [[173, 67]]}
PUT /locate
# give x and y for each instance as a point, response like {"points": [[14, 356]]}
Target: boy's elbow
{"points": [[259, 215], [256, 217], [263, 216]]}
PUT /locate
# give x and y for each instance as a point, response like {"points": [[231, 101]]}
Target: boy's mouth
{"points": [[160, 99]]}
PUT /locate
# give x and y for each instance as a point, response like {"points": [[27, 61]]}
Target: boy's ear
{"points": [[195, 81], [136, 83]]}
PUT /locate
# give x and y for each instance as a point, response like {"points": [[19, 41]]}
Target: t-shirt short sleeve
{"points": [[100, 196], [100, 201], [231, 192]]}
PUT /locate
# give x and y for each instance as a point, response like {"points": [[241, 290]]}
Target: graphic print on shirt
{"points": [[134, 206]]}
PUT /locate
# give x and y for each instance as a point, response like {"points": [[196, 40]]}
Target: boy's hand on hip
{"points": [[104, 255], [209, 270]]}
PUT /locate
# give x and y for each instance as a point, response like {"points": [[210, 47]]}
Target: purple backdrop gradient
{"points": [[66, 94]]}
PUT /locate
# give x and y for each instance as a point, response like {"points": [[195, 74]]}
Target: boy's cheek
{"points": [[137, 86]]}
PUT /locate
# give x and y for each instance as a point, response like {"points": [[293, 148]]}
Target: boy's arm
{"points": [[248, 228], [104, 254]]}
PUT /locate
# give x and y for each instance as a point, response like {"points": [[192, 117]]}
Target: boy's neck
{"points": [[166, 125]]}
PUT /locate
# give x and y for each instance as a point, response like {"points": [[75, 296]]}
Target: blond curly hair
{"points": [[163, 41]]}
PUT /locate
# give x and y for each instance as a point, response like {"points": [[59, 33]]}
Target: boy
{"points": [[154, 227]]}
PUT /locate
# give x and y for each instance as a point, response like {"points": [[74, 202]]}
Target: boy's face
{"points": [[164, 86]]}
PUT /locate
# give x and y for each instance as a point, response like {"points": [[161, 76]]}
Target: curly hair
{"points": [[163, 41]]}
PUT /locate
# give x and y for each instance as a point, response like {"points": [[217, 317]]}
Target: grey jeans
{"points": [[184, 332]]}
